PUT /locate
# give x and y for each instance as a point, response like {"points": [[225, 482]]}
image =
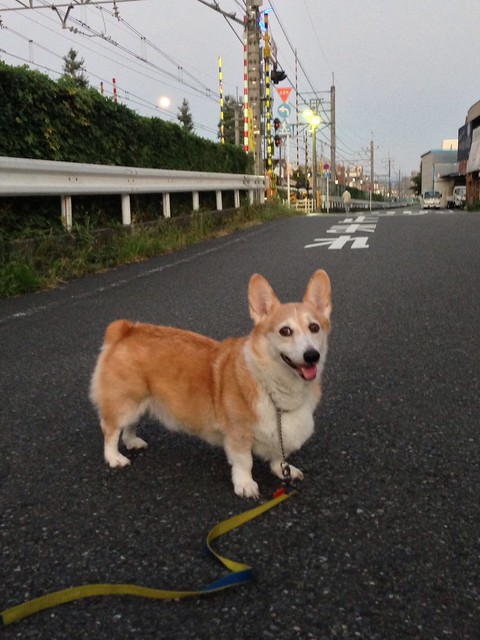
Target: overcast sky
{"points": [[406, 70]]}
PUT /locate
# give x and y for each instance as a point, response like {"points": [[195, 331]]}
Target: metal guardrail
{"points": [[336, 204], [27, 177]]}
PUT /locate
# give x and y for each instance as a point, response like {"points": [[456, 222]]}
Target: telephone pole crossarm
{"points": [[215, 7], [35, 4]]}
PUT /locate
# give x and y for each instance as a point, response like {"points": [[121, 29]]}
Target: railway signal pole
{"points": [[255, 81]]}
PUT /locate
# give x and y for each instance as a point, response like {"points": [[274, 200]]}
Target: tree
{"points": [[184, 116], [300, 178], [73, 70], [232, 117], [416, 184]]}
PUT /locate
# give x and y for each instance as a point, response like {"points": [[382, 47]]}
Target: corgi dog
{"points": [[229, 393]]}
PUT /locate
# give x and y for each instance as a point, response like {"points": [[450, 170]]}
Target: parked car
{"points": [[458, 197], [431, 199]]}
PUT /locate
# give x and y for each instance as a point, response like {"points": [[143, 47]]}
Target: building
{"points": [[469, 152], [443, 169], [439, 170]]}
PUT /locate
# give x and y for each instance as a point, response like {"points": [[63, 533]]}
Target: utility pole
{"points": [[252, 76], [255, 80], [389, 178], [306, 162], [372, 172], [237, 124], [333, 140], [389, 162], [317, 105], [297, 120], [268, 112]]}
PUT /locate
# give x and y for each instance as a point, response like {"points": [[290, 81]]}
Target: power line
{"points": [[154, 47], [209, 93], [83, 29]]}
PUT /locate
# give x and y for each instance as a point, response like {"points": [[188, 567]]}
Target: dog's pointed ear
{"points": [[319, 293], [261, 298]]}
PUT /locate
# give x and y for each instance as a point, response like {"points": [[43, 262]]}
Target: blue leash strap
{"points": [[240, 573]]}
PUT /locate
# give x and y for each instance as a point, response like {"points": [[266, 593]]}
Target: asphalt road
{"points": [[384, 540]]}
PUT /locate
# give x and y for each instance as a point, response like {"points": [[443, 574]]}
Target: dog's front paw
{"points": [[296, 473], [247, 489], [116, 460], [277, 470]]}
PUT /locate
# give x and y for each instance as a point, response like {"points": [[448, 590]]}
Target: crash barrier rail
{"points": [[27, 177], [307, 205], [336, 204]]}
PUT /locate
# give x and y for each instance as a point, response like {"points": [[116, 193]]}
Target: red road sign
{"points": [[284, 92]]}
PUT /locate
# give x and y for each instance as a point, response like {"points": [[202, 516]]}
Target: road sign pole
{"points": [[328, 196], [326, 172], [287, 159]]}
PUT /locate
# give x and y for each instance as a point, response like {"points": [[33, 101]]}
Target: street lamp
{"points": [[313, 120]]}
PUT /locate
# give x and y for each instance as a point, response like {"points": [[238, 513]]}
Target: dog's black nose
{"points": [[311, 356]]}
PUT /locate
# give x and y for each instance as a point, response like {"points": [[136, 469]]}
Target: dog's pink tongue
{"points": [[310, 372]]}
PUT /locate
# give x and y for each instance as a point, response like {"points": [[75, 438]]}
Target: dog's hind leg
{"points": [[119, 415], [112, 455], [112, 427], [130, 438]]}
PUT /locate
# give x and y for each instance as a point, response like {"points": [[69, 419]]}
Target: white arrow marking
{"points": [[360, 243], [373, 218], [340, 242], [352, 228]]}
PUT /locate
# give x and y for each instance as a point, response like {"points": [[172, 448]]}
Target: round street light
{"points": [[314, 120]]}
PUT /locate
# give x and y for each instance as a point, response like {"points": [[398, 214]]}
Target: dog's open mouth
{"points": [[305, 371]]}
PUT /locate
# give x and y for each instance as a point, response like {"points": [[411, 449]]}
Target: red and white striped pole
{"points": [[114, 82]]}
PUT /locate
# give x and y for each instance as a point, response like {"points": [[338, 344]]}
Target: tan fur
{"points": [[224, 392]]}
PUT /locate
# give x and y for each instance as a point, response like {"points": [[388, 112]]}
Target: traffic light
{"points": [[277, 75], [277, 139]]}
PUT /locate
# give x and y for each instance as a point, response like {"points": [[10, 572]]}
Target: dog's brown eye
{"points": [[285, 332], [314, 327]]}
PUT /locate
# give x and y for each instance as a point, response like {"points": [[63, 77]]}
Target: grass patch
{"points": [[49, 258]]}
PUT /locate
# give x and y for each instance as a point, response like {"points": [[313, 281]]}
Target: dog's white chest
{"points": [[296, 427]]}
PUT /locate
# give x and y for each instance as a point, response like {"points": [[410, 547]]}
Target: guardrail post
{"points": [[219, 201], [67, 212], [196, 200], [236, 195], [251, 196], [166, 205], [126, 213]]}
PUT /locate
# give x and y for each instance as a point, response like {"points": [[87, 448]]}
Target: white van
{"points": [[458, 197], [431, 199]]}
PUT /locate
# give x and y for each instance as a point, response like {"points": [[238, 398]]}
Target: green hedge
{"points": [[41, 118]]}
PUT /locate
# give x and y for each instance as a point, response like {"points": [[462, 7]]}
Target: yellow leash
{"points": [[239, 574]]}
